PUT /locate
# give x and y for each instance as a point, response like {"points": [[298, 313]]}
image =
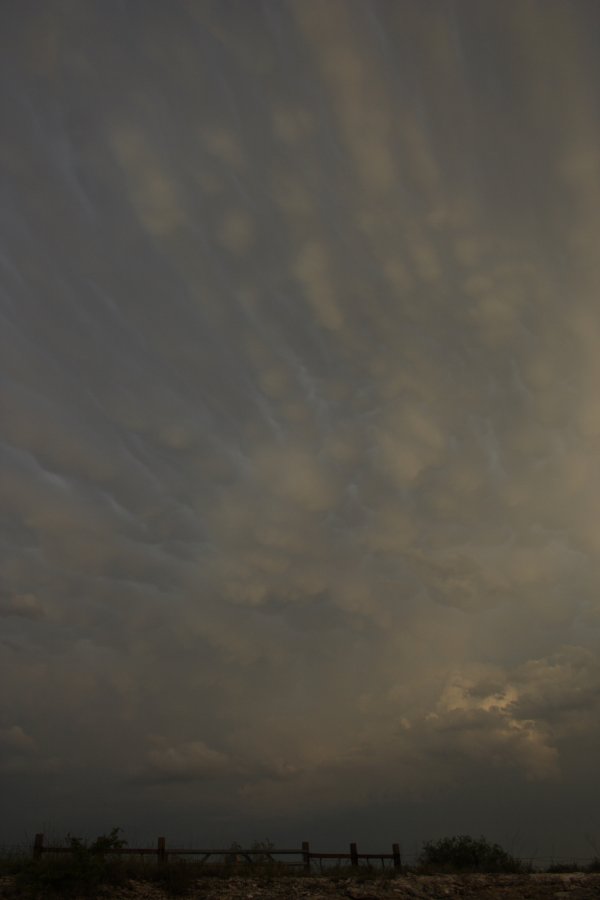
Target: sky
{"points": [[300, 421]]}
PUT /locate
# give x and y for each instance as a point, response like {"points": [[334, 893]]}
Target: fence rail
{"points": [[162, 853]]}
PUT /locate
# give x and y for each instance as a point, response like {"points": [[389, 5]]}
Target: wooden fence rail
{"points": [[162, 852]]}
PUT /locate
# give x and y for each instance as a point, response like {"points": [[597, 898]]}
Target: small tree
{"points": [[466, 854]]}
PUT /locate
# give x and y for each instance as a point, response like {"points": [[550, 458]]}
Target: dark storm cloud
{"points": [[300, 415]]}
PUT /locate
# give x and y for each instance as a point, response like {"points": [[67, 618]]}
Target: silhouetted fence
{"points": [[162, 853]]}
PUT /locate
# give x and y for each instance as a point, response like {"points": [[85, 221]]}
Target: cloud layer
{"points": [[300, 408]]}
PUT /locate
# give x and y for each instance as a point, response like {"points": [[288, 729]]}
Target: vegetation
{"points": [[89, 867], [467, 854], [559, 868], [78, 872]]}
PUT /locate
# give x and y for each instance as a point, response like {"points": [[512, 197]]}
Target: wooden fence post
{"points": [[396, 855], [162, 855], [38, 846], [353, 855], [306, 855]]}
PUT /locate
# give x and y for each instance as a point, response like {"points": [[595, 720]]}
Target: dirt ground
{"points": [[412, 887], [575, 886]]}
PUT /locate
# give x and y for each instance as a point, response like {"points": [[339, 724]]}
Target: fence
{"points": [[162, 853]]}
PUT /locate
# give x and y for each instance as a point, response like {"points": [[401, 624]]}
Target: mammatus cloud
{"points": [[25, 605], [190, 760], [19, 755], [300, 412]]}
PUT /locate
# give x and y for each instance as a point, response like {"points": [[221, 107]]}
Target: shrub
{"points": [[79, 872], [466, 854]]}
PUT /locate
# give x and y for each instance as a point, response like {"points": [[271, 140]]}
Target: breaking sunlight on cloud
{"points": [[301, 418]]}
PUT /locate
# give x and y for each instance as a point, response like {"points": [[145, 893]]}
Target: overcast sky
{"points": [[301, 420]]}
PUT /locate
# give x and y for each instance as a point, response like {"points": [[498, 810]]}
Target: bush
{"points": [[466, 854], [79, 872]]}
